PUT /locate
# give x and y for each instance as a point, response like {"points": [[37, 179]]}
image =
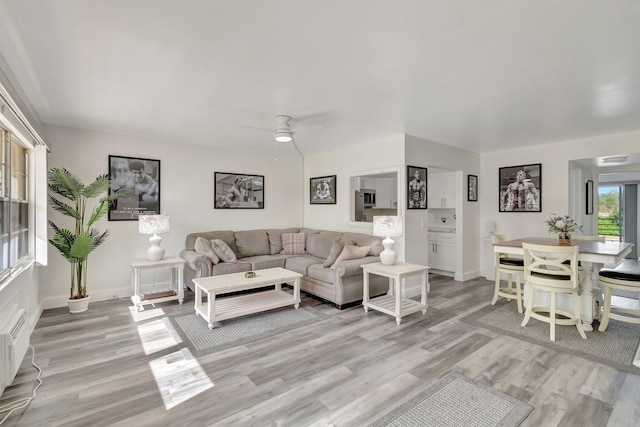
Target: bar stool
{"points": [[625, 276], [553, 269], [513, 268]]}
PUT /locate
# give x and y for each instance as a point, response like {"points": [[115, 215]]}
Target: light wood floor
{"points": [[110, 366]]}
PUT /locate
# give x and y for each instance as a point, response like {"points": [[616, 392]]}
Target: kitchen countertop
{"points": [[442, 230]]}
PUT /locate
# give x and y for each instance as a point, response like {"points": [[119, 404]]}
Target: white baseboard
{"points": [[109, 294]]}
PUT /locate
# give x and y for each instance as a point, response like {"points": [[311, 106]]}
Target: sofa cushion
{"points": [[293, 244], [352, 252], [223, 251], [251, 243], [336, 248], [311, 238], [260, 262], [226, 236], [300, 264], [275, 238], [203, 246], [323, 244], [361, 239]]}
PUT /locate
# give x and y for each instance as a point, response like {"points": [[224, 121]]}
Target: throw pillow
{"points": [[203, 246], [293, 244], [352, 252], [336, 249], [224, 252]]}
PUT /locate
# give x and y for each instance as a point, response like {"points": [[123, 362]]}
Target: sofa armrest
{"points": [[352, 267], [199, 263]]}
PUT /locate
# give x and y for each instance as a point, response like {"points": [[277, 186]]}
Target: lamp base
{"points": [[155, 252], [388, 256]]}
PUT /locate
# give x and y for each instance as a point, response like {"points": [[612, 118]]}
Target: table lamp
{"points": [[387, 227], [154, 224]]}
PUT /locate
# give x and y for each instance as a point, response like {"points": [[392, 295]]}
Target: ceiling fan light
{"points": [[282, 136]]}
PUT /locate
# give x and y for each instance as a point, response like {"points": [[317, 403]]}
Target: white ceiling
{"points": [[482, 75]]}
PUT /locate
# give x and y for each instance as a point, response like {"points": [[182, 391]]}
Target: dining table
{"points": [[593, 255]]}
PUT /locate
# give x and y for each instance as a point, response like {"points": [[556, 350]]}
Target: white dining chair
{"points": [[625, 277], [553, 269], [513, 268]]}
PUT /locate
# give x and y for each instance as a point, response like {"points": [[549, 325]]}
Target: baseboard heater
{"points": [[14, 342]]}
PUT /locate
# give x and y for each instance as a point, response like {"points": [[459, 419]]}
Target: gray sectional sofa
{"points": [[340, 284]]}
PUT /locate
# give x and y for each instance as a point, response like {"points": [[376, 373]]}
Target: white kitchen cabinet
{"points": [[442, 190], [386, 193], [442, 251]]}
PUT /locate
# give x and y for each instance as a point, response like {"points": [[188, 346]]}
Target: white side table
{"points": [[395, 305], [176, 292]]}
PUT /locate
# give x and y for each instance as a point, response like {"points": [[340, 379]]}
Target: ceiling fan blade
{"points": [[255, 128]]}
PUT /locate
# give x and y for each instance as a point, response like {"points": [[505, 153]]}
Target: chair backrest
{"points": [[552, 266], [583, 237]]}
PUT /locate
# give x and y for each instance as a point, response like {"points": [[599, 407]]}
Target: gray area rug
{"points": [[195, 333], [616, 347], [456, 400]]}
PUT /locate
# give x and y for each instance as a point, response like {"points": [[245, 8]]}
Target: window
{"points": [[14, 201]]}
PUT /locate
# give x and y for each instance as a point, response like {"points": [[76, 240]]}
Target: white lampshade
{"points": [[387, 227], [154, 224]]}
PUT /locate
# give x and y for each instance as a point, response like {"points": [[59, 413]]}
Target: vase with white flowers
{"points": [[564, 226]]}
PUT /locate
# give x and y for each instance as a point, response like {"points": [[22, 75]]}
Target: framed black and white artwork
{"points": [[140, 179], [519, 188], [238, 191], [416, 187], [589, 198], [322, 190], [472, 188]]}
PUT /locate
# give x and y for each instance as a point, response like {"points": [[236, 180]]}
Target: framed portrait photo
{"points": [[520, 188], [416, 187], [139, 180], [472, 188], [322, 190], [589, 198], [238, 191]]}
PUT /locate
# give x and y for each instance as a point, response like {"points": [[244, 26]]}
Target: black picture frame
{"points": [[417, 187], [520, 188], [472, 188], [589, 197], [141, 178], [238, 191], [322, 190]]}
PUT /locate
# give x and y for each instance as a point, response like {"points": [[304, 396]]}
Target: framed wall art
{"points": [[238, 191], [416, 187], [322, 190], [520, 188], [589, 197], [140, 179], [472, 188]]}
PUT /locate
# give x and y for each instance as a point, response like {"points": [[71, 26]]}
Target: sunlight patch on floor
{"points": [[145, 314], [155, 336], [179, 377]]}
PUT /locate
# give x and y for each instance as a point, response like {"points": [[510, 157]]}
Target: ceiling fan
{"points": [[283, 132]]}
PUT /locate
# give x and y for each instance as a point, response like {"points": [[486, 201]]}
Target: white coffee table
{"points": [[216, 309]]}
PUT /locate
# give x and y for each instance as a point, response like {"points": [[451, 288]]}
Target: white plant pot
{"points": [[78, 305]]}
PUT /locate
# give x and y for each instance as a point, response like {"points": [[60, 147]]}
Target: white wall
{"points": [[187, 175], [358, 160], [425, 153], [555, 194]]}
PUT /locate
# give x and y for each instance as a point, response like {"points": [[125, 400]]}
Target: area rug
{"points": [[457, 400], [195, 333], [616, 347]]}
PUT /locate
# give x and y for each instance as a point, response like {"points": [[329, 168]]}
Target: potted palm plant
{"points": [[69, 196]]}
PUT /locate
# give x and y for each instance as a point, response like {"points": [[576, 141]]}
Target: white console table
{"points": [[176, 291]]}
